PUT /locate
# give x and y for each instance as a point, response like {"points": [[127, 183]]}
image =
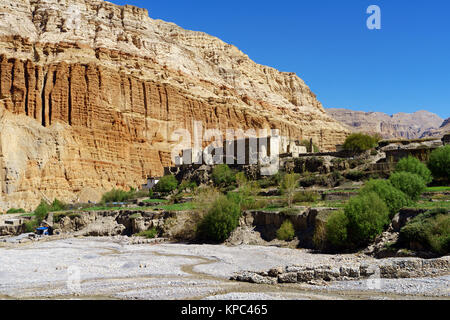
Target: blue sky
{"points": [[404, 67]]}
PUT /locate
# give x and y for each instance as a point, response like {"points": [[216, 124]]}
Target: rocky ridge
{"points": [[441, 131], [91, 93], [400, 125]]}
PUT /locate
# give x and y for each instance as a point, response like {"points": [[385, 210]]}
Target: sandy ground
{"points": [[108, 268]]}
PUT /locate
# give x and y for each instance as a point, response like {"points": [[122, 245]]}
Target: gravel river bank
{"points": [[112, 268]]}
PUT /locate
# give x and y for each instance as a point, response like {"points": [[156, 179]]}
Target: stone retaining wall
{"points": [[389, 269]]}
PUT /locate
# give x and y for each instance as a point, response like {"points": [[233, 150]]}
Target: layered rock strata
{"points": [[91, 92]]}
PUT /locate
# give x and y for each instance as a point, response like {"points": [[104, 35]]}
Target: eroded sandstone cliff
{"points": [[91, 92]]}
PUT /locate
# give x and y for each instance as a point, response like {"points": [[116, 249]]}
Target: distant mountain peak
{"points": [[399, 125]]}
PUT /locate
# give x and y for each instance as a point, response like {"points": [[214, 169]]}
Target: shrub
{"points": [[149, 234], [320, 236], [187, 185], [273, 181], [286, 231], [58, 205], [367, 216], [204, 198], [115, 195], [13, 210], [439, 163], [359, 142], [431, 230], [288, 186], [222, 219], [167, 184], [246, 202], [30, 226], [41, 211], [413, 165], [337, 178], [241, 179], [336, 230], [409, 183], [223, 176], [394, 198], [306, 196]]}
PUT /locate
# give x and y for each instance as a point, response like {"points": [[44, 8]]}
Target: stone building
{"points": [[246, 151], [419, 149]]}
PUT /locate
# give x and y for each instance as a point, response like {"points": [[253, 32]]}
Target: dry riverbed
{"points": [[112, 268]]}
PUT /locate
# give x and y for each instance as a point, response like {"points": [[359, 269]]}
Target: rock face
{"points": [[440, 132], [91, 92], [400, 125]]}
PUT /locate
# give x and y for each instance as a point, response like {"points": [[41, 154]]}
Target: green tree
{"points": [[359, 142], [336, 230], [413, 165], [220, 221], [288, 185], [393, 197], [41, 212], [409, 183], [367, 217], [167, 184], [286, 231], [439, 163], [223, 176]]}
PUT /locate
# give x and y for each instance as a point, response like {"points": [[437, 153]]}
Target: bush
{"points": [[241, 179], [167, 184], [394, 198], [409, 183], [413, 165], [246, 202], [116, 195], [306, 196], [221, 219], [58, 205], [320, 237], [286, 231], [358, 142], [272, 181], [30, 226], [41, 211], [439, 163], [430, 230], [13, 210], [288, 186], [149, 234], [367, 217], [336, 230], [223, 176], [185, 185]]}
